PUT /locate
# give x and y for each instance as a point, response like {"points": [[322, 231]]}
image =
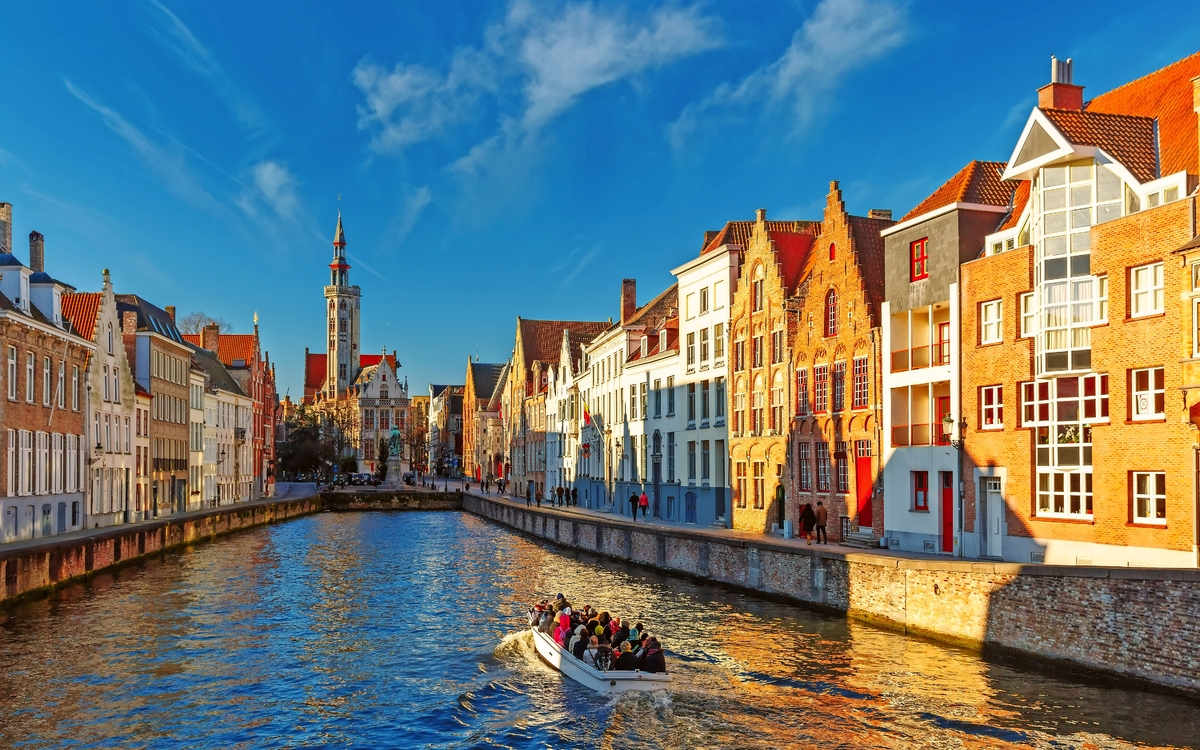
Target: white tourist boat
{"points": [[610, 682]]}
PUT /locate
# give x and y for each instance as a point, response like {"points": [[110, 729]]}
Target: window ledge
{"points": [[983, 344], [1155, 420], [1056, 519], [1150, 316], [918, 510], [1146, 524], [993, 428]]}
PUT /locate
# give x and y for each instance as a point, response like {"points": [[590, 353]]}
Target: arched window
{"points": [[832, 251], [110, 339], [831, 313]]}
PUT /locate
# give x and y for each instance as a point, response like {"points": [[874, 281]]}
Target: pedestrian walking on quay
{"points": [[539, 498], [575, 497], [807, 519], [822, 518], [633, 506], [559, 492], [644, 503], [528, 497]]}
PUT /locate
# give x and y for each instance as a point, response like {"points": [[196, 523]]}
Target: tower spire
{"points": [[339, 238]]}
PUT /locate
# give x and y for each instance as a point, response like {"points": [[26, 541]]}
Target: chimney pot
{"points": [[880, 213], [37, 252], [760, 214], [5, 227], [1061, 93], [171, 312], [628, 299], [128, 323]]}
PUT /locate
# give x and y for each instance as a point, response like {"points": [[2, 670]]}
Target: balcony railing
{"points": [[910, 434], [920, 357]]}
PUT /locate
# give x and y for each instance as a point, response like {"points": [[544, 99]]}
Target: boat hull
{"points": [[608, 683]]}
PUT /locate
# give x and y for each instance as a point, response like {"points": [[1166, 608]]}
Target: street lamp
{"points": [[948, 427]]}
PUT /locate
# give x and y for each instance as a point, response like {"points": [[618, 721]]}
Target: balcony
{"points": [[910, 435], [920, 357]]}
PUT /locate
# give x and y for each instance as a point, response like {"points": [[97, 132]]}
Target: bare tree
{"points": [[194, 322], [339, 419], [416, 437]]}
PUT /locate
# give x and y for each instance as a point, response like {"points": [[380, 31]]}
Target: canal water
{"points": [[405, 630]]}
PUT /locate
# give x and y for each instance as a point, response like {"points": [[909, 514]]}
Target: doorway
{"points": [[947, 510], [993, 514], [62, 517], [862, 483], [689, 507]]}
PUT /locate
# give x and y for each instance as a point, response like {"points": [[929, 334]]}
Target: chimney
{"points": [[171, 312], [880, 213], [210, 336], [5, 227], [37, 252], [628, 299], [1060, 93], [128, 323], [760, 215]]}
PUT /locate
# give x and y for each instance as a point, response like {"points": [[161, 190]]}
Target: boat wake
{"points": [[517, 646]]}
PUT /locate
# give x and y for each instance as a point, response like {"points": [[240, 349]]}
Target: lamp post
{"points": [[220, 461], [948, 430]]}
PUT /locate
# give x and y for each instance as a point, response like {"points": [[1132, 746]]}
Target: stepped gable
{"points": [[1129, 138], [314, 368], [977, 182], [1166, 95]]}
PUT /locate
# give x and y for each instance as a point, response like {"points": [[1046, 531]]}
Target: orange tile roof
{"points": [[662, 307], [83, 310], [1020, 199], [230, 346], [978, 182], [1165, 94], [738, 232], [792, 252], [1128, 138], [314, 369]]}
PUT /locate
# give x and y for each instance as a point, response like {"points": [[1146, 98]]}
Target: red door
{"points": [[947, 511], [862, 484]]}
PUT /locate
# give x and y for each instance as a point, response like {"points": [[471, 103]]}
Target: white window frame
{"points": [[991, 320], [1102, 298], [1196, 327], [29, 382], [1146, 284], [1141, 400], [1149, 493], [995, 410], [1029, 315], [46, 370]]}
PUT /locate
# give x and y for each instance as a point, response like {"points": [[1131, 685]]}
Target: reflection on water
{"points": [[404, 630]]}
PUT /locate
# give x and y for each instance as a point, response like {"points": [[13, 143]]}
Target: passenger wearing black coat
{"points": [[651, 658]]}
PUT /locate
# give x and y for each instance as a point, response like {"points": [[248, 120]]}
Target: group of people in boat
{"points": [[597, 638]]}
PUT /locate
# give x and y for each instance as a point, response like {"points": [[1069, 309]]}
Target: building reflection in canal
{"points": [[406, 630]]}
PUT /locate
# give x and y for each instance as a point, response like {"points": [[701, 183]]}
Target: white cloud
{"points": [[549, 58], [274, 185], [196, 56], [170, 167], [584, 48], [840, 37], [413, 206]]}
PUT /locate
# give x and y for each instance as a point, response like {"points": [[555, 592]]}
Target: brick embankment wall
{"points": [[1133, 622], [32, 570]]}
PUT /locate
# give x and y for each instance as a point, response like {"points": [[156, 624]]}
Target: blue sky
{"points": [[497, 159]]}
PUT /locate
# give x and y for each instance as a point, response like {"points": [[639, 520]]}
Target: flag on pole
{"points": [[587, 414]]}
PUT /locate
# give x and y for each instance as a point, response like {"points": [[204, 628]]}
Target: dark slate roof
{"points": [[149, 316], [8, 259], [485, 375], [211, 365]]}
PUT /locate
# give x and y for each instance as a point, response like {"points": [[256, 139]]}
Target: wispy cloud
{"points": [[177, 37], [543, 59], [411, 208], [840, 37], [170, 167], [270, 183], [576, 263], [357, 261]]}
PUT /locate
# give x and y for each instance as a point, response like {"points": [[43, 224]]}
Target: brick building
{"points": [[836, 370], [1079, 444], [43, 474], [480, 384]]}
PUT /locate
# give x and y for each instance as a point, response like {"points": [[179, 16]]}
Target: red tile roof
{"points": [[82, 309], [1165, 94], [793, 250], [1020, 199], [1128, 138], [868, 245], [230, 347], [314, 369], [662, 307], [652, 343], [738, 232], [978, 182], [542, 339]]}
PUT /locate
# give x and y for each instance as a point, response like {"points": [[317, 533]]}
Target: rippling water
{"points": [[404, 630]]}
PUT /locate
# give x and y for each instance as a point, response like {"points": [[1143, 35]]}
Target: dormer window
{"points": [[662, 340], [645, 345]]}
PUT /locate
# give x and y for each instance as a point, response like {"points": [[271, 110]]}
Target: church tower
{"points": [[341, 304]]}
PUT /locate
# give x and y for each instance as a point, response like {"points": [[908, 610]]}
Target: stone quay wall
{"points": [[343, 500], [1138, 623], [35, 569]]}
